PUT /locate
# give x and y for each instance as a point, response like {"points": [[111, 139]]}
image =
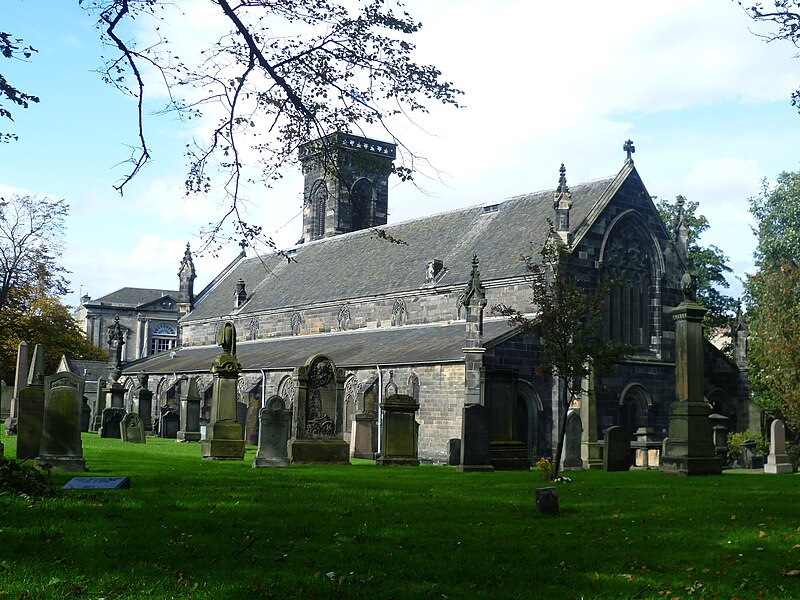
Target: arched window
{"points": [[163, 338], [344, 319], [399, 313], [413, 386], [361, 205], [286, 389], [253, 329], [296, 321], [350, 398], [319, 202], [629, 261]]}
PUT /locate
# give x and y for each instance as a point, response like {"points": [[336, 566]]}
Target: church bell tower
{"points": [[346, 180]]}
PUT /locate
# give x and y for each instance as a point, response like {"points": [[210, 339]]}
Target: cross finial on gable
{"points": [[630, 149]]}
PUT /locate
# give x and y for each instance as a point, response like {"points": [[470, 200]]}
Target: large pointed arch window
{"points": [[361, 205], [628, 260], [319, 203]]}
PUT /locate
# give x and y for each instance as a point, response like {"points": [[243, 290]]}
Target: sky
{"points": [[704, 99]]}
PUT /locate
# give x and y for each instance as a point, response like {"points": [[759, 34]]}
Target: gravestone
{"points": [[317, 437], [99, 404], [61, 448], [547, 501], [572, 441], [475, 439], [454, 452], [224, 437], [777, 461], [241, 416], [399, 432], [366, 434], [500, 398], [21, 378], [6, 395], [109, 422], [252, 423], [131, 429], [690, 446], [169, 423], [142, 400], [616, 449], [275, 424], [86, 414], [190, 414], [98, 483], [30, 408]]}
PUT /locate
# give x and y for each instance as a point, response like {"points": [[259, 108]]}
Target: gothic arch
{"points": [[295, 322], [399, 313], [631, 256], [318, 206], [351, 387], [634, 407], [362, 202], [253, 328], [529, 406], [344, 318], [413, 386], [287, 389], [460, 313]]}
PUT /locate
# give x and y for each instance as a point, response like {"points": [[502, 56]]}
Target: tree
{"points": [[30, 245], [785, 14], [45, 320], [285, 73], [31, 280], [569, 318], [709, 262], [13, 48], [773, 299]]}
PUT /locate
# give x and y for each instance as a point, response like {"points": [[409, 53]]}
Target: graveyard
{"points": [[193, 528]]}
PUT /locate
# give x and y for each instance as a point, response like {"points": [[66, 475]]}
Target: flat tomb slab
{"points": [[98, 483]]}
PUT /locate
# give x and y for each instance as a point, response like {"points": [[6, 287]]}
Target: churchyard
{"points": [[189, 528]]}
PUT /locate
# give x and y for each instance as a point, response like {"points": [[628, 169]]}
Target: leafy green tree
{"points": [[13, 48], [568, 316], [773, 299], [710, 262], [284, 74]]}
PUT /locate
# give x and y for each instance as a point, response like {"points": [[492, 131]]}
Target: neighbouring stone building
{"points": [[149, 317], [386, 302]]}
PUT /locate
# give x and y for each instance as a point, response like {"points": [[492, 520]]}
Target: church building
{"points": [[388, 304]]}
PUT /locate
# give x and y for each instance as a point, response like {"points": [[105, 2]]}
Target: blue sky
{"points": [[705, 101]]}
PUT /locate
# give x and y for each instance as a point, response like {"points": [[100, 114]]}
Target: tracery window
{"points": [[319, 201], [628, 260], [361, 205], [399, 313]]}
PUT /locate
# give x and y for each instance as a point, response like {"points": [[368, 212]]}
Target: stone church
{"points": [[386, 302]]}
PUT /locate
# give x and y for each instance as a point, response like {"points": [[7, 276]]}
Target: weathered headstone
{"points": [[365, 434], [547, 501], [31, 408], [98, 483], [399, 432], [131, 429], [690, 446], [169, 423], [572, 441], [109, 422], [99, 404], [142, 400], [6, 396], [190, 413], [616, 449], [475, 441], [317, 437], [61, 448], [251, 423], [86, 414], [20, 378], [500, 398], [224, 438], [454, 452], [777, 460], [273, 437]]}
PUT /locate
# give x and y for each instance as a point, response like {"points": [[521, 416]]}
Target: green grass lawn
{"points": [[189, 528]]}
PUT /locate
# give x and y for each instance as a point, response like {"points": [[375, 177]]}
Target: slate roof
{"points": [[411, 344], [134, 296], [94, 369], [360, 264]]}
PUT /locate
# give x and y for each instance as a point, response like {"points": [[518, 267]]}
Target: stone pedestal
{"points": [[190, 414], [224, 438], [143, 406], [399, 432], [689, 449]]}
